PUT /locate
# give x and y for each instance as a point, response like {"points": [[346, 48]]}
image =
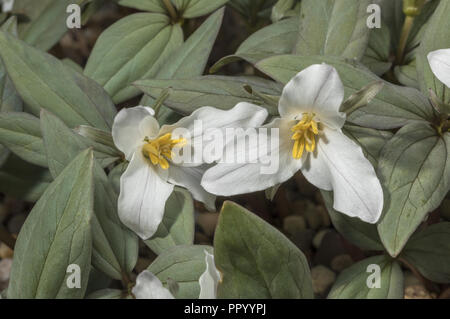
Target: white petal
{"points": [[190, 178], [126, 131], [143, 194], [440, 65], [206, 119], [209, 279], [317, 89], [357, 189], [148, 286], [261, 170], [7, 5]]}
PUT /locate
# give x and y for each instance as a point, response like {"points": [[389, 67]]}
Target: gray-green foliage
{"points": [[57, 148], [257, 261]]}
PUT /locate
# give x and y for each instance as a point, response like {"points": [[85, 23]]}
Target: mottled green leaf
{"points": [[21, 133], [352, 283], [45, 82], [429, 252], [184, 265], [23, 180], [178, 225], [56, 234], [257, 261], [223, 92], [195, 8], [414, 167], [333, 27], [133, 48]]}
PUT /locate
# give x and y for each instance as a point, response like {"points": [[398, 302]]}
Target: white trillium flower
{"points": [[310, 140], [148, 286], [152, 174], [440, 65]]}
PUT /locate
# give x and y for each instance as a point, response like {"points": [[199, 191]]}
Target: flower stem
{"points": [[409, 20], [171, 9]]}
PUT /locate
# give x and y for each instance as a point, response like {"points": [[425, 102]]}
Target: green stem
{"points": [[409, 20], [171, 9]]}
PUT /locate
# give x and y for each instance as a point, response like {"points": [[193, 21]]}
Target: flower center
{"points": [[159, 150], [305, 132]]}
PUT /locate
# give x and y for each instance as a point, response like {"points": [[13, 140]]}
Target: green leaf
{"points": [[281, 8], [393, 107], [370, 140], [56, 234], [257, 261], [429, 252], [335, 27], [45, 82], [45, 23], [145, 5], [190, 59], [115, 246], [178, 225], [436, 36], [352, 282], [275, 39], [61, 144], [184, 265], [195, 8], [223, 92], [407, 75], [377, 55], [9, 99], [98, 136], [414, 167], [23, 180], [115, 174], [133, 48], [359, 233], [21, 134]]}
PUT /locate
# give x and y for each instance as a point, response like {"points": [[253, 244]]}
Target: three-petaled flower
{"points": [[310, 140], [152, 173]]}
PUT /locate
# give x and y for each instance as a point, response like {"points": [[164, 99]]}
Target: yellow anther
{"points": [[159, 150], [305, 132]]}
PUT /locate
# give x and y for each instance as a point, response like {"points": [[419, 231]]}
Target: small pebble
{"points": [[341, 262], [317, 241], [322, 279], [294, 224]]}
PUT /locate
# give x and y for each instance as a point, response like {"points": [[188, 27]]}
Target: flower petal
{"points": [[125, 131], [440, 65], [262, 169], [317, 89], [205, 120], [148, 286], [209, 279], [357, 189], [143, 194], [190, 178]]}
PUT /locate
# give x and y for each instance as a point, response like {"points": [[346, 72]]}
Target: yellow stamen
{"points": [[305, 132], [159, 150]]}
